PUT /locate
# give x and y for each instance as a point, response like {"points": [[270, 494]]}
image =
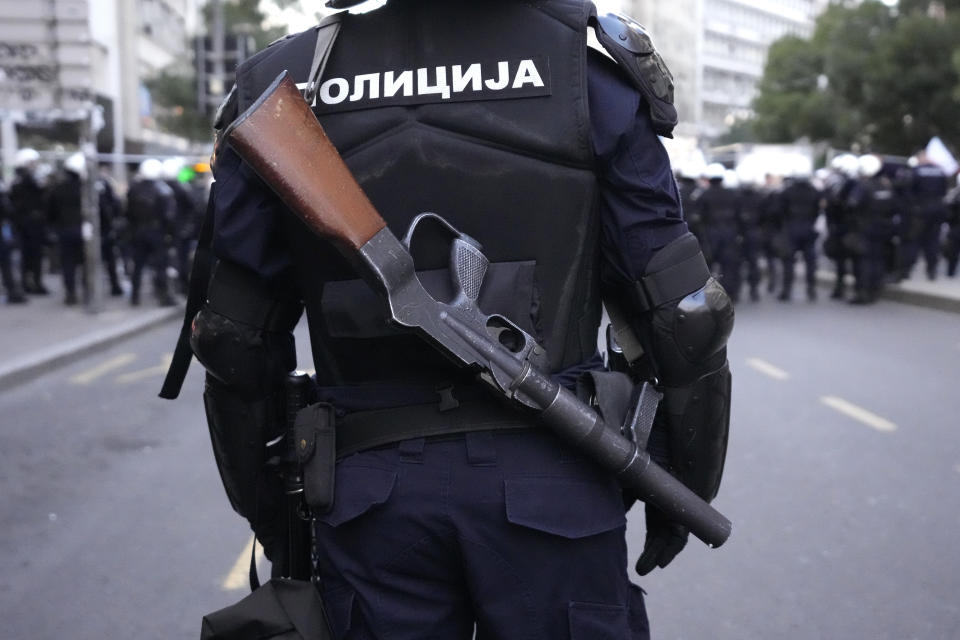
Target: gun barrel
{"points": [[574, 421]]}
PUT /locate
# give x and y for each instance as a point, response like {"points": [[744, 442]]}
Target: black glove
{"points": [[665, 539]]}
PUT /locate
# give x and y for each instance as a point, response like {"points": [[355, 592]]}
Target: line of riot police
{"points": [[152, 229], [881, 218]]}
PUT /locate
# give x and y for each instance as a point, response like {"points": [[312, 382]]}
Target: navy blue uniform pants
{"points": [[505, 532], [149, 251], [71, 258]]}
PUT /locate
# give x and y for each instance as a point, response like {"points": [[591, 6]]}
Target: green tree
{"points": [[887, 79], [173, 90], [791, 102]]}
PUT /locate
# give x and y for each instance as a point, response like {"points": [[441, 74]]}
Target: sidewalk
{"points": [[44, 333], [942, 293]]}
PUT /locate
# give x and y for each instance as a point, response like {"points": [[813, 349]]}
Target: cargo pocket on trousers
{"points": [[590, 621], [358, 489], [563, 507]]}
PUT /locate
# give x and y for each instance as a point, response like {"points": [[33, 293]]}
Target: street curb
{"points": [[36, 364], [922, 299], [896, 293]]}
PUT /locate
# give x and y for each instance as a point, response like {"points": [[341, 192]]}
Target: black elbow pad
{"points": [[690, 319], [243, 358], [243, 335]]}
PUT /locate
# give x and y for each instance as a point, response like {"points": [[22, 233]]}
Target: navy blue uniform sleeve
{"points": [[640, 207], [246, 218]]}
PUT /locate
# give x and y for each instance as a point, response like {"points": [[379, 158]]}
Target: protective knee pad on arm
{"points": [[690, 320]]}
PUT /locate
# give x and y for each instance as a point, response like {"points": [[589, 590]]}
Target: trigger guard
{"points": [[426, 216]]}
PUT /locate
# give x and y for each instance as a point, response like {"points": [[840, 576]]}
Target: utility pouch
{"points": [[608, 392], [315, 443]]}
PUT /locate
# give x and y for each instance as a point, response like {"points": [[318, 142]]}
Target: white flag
{"points": [[938, 154]]}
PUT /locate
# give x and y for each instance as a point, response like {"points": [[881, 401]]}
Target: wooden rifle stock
{"points": [[282, 141]]}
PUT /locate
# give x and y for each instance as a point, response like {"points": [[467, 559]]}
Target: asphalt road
{"points": [[841, 481]]}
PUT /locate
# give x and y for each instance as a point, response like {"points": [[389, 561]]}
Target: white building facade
{"points": [[717, 49]]}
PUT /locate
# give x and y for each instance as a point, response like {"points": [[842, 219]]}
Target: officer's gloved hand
{"points": [[665, 539]]}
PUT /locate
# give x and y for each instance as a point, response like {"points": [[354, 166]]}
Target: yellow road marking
{"points": [[239, 576], [103, 368], [858, 413], [768, 369], [159, 370]]}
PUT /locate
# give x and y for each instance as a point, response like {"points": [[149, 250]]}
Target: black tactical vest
{"points": [[476, 111]]}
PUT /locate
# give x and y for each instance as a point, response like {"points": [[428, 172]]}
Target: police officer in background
{"points": [[65, 215], [11, 287], [111, 213], [951, 243], [718, 209], [751, 231], [799, 206], [872, 204], [28, 199], [456, 515], [842, 179], [185, 219], [928, 187], [150, 211]]}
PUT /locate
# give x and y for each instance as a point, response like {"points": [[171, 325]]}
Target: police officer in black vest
{"points": [[799, 205], [65, 215], [873, 203], [150, 214], [11, 287], [929, 186], [718, 209], [28, 198], [751, 230], [951, 243], [454, 515]]}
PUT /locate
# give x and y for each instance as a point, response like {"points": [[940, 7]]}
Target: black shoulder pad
{"points": [[630, 45]]}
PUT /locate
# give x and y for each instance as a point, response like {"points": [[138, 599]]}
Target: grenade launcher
{"points": [[282, 141]]}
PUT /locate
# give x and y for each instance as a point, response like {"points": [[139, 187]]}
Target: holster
{"points": [[315, 443]]}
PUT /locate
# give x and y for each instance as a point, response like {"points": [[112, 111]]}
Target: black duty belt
{"points": [[368, 429]]}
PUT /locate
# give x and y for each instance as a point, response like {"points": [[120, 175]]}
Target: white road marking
{"points": [[767, 369], [239, 576], [956, 468], [159, 370], [858, 413], [103, 368]]}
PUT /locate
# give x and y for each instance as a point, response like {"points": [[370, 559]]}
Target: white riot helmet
{"points": [[714, 171], [151, 169], [172, 167], [870, 165], [848, 164], [26, 157], [730, 179], [76, 163]]}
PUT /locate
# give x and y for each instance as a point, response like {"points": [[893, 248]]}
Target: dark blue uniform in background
{"points": [[799, 205], [65, 215], [929, 213]]}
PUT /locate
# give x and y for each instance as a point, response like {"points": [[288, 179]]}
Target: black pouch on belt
{"points": [[315, 442]]}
